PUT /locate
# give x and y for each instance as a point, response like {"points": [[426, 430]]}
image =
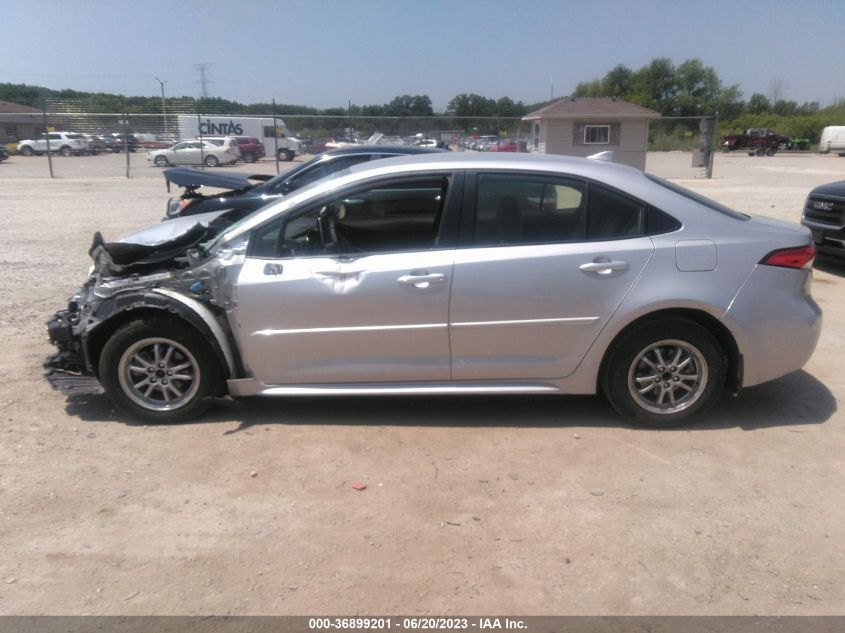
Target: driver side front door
{"points": [[363, 298]]}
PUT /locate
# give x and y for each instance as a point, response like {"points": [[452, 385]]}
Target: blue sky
{"points": [[324, 53]]}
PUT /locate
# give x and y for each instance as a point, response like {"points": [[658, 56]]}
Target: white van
{"points": [[833, 140]]}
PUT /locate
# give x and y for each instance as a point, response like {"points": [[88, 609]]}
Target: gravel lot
{"points": [[474, 505]]}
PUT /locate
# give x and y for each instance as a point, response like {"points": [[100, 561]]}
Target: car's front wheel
{"points": [[663, 373], [161, 161], [159, 370], [286, 155], [26, 150]]}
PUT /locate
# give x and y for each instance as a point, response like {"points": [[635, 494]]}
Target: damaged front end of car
{"points": [[164, 271]]}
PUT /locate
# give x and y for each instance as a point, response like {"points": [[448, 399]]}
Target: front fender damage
{"points": [[196, 287]]}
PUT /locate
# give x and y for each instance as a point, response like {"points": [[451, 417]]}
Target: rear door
{"points": [[353, 288], [543, 263]]}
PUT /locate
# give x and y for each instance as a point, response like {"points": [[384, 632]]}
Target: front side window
{"points": [[387, 218], [596, 134]]}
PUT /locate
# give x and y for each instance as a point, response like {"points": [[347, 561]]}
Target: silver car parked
{"points": [[448, 274]]}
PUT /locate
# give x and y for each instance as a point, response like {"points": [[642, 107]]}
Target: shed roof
{"points": [[7, 107], [578, 107]]}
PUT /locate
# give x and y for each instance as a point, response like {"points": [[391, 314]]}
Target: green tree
{"points": [[408, 105], [759, 104], [618, 82]]}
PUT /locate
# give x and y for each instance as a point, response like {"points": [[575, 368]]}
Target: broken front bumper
{"points": [[66, 369]]}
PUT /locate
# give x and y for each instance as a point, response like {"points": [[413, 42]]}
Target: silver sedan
{"points": [[448, 274]]}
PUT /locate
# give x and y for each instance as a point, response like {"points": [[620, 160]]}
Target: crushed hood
{"points": [[169, 230], [156, 245], [193, 178]]}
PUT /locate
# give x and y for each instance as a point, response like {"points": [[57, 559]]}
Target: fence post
{"points": [[275, 137], [126, 140], [708, 172], [47, 137]]}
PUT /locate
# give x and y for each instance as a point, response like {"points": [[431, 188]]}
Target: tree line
{"points": [[689, 89]]}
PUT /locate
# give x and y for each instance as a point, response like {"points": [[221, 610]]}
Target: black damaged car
{"points": [[246, 193]]}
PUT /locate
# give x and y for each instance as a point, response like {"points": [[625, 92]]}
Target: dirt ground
{"points": [[497, 505]]}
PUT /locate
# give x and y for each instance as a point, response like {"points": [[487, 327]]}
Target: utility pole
{"points": [[203, 82], [163, 108]]}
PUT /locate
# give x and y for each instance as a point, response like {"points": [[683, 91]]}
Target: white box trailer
{"points": [[271, 132], [833, 140]]}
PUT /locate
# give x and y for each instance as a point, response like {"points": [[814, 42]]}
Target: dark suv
{"points": [[247, 196], [251, 148], [824, 215]]}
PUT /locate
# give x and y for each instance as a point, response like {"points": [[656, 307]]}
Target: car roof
{"points": [[444, 160], [380, 149]]}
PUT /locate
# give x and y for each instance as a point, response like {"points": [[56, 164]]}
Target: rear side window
{"points": [[531, 209], [613, 216], [528, 210]]}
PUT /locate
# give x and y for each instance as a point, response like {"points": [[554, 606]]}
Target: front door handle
{"points": [[422, 280], [603, 267]]}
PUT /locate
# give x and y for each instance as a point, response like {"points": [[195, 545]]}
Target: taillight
{"points": [[184, 203], [801, 257]]}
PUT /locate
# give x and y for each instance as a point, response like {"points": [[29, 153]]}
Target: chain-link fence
{"points": [[125, 135]]}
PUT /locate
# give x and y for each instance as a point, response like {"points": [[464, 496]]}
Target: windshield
{"points": [[697, 197]]}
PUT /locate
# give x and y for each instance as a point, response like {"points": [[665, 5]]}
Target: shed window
{"points": [[596, 135]]}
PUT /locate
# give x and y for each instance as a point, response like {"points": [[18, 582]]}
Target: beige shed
{"points": [[581, 126]]}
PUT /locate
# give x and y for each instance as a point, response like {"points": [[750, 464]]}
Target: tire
{"points": [[65, 151], [248, 157], [286, 155], [26, 150], [771, 151], [636, 387], [161, 345], [161, 161], [211, 161]]}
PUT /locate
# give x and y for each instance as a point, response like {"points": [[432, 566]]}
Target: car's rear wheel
{"points": [[26, 150], [161, 161], [159, 370], [66, 151], [664, 372], [211, 161]]}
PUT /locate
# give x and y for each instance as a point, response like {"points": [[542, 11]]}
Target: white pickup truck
{"points": [[65, 143]]}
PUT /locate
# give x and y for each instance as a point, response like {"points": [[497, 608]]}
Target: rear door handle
{"points": [[603, 267], [273, 269], [423, 280]]}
